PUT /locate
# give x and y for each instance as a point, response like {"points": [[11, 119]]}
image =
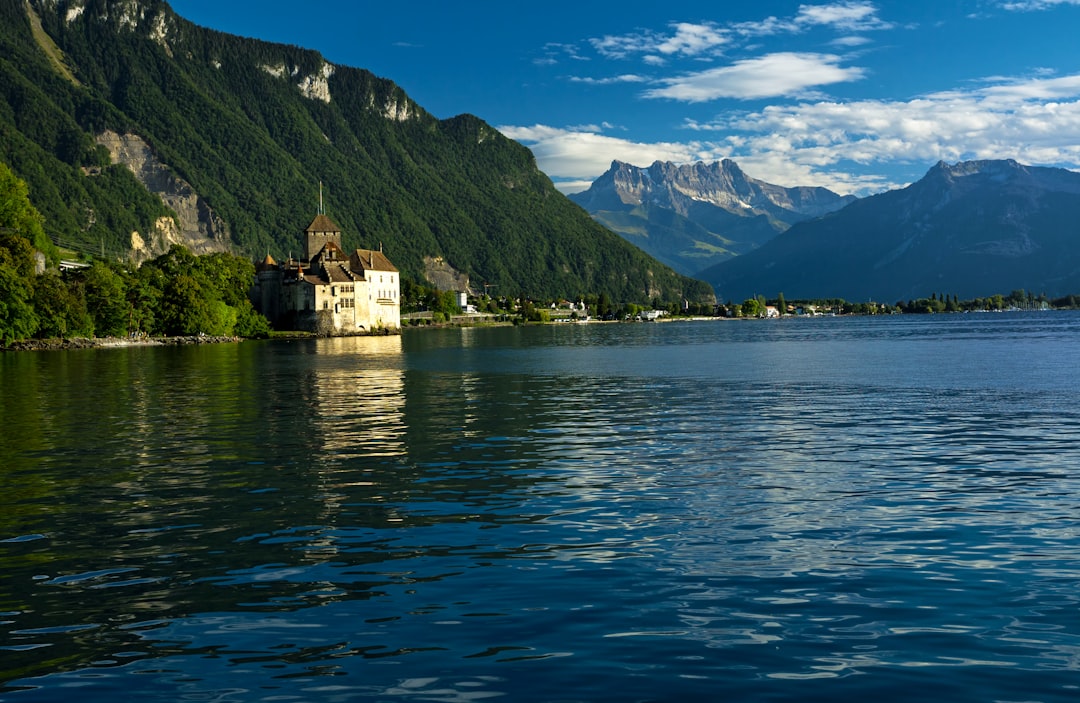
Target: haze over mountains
{"points": [[135, 129]]}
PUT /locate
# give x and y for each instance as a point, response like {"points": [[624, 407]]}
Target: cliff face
{"points": [[721, 183], [196, 227], [692, 216]]}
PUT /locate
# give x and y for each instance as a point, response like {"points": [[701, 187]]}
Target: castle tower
{"points": [[318, 233], [266, 295]]}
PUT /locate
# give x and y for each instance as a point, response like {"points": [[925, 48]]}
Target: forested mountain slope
{"points": [[240, 133]]}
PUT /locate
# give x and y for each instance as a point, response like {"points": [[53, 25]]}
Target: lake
{"points": [[870, 508]]}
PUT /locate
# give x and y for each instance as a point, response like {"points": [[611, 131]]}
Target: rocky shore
{"points": [[99, 342]]}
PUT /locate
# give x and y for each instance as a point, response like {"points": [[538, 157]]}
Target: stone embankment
{"points": [[99, 342]]}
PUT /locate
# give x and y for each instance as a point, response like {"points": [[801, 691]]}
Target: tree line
{"points": [[1018, 299], [177, 293]]}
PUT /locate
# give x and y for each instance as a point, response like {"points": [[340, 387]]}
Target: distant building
{"points": [[328, 291]]}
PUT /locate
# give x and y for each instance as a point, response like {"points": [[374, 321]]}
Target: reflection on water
{"points": [[807, 510], [359, 407]]}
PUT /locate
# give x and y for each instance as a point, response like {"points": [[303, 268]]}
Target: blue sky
{"points": [[856, 96]]}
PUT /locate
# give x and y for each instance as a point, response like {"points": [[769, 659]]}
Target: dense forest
{"points": [[231, 117], [175, 294]]}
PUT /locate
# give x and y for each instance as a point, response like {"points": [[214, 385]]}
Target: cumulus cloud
{"points": [[568, 154], [1035, 122], [844, 145], [692, 39], [845, 16], [686, 39], [784, 73], [689, 39]]}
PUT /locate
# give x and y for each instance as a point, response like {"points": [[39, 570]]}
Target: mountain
{"points": [[134, 128], [971, 229], [693, 216]]}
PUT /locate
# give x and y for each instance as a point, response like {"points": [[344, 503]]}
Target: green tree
{"points": [[60, 306], [20, 228], [106, 300], [19, 218], [185, 309], [17, 317], [752, 307], [251, 323], [145, 288]]}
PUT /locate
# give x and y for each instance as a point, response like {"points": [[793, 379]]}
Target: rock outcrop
{"points": [[693, 216], [197, 226]]}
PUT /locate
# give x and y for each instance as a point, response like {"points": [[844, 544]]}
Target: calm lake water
{"points": [[881, 509]]}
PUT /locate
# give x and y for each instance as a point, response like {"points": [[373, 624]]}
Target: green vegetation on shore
{"points": [[175, 294], [181, 295]]}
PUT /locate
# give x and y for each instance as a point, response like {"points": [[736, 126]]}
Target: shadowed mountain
{"points": [[971, 229]]}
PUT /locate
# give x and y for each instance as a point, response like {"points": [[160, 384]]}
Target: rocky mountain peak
{"points": [[719, 183], [696, 214]]}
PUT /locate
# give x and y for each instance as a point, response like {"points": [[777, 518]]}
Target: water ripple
{"points": [[788, 511]]}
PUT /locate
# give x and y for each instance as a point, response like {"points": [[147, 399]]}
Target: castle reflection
{"points": [[358, 398]]}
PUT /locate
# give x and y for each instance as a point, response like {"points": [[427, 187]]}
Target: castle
{"points": [[328, 291]]}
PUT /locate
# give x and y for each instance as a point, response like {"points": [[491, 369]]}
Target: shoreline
{"points": [[57, 344]]}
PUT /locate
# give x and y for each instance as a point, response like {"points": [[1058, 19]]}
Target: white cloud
{"points": [[583, 155], [625, 78], [844, 16], [849, 42], [846, 146], [687, 39], [841, 16], [1034, 5], [772, 75], [1026, 121], [692, 39]]}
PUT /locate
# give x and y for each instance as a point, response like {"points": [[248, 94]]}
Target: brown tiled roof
{"points": [[373, 260], [339, 273], [329, 248], [322, 223]]}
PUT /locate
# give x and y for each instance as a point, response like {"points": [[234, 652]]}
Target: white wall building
{"points": [[329, 291]]}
